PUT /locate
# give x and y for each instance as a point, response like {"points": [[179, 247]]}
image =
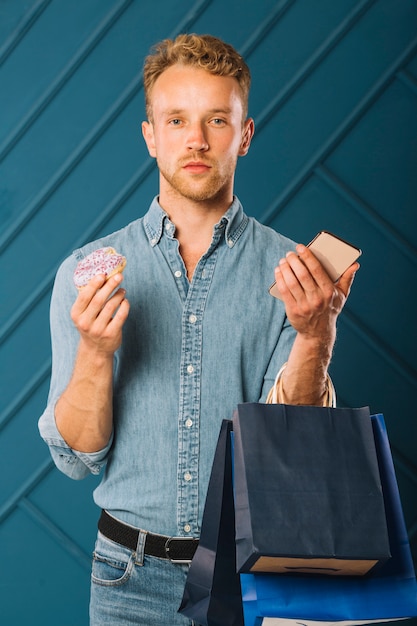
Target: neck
{"points": [[194, 222], [193, 219]]}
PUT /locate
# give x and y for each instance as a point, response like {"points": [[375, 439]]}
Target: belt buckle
{"points": [[167, 550]]}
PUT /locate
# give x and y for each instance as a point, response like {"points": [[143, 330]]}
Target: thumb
{"points": [[346, 280]]}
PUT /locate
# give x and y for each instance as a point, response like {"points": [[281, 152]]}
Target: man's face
{"points": [[197, 133]]}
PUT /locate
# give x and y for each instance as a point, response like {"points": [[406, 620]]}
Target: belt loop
{"points": [[140, 548]]}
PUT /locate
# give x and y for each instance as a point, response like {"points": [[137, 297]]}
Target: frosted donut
{"points": [[102, 261]]}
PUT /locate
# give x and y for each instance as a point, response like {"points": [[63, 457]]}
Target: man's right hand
{"points": [[84, 411], [99, 314]]}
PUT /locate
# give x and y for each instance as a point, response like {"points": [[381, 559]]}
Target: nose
{"points": [[196, 138]]}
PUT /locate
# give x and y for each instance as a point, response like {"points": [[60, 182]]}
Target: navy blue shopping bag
{"points": [[308, 494], [212, 594], [387, 594]]}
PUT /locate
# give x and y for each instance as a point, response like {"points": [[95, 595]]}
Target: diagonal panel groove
{"points": [[21, 312], [384, 350], [42, 373], [374, 218], [265, 27], [190, 17], [314, 60], [61, 80], [71, 163], [106, 214], [338, 135], [89, 141], [25, 488], [64, 540], [22, 28], [408, 80], [141, 174]]}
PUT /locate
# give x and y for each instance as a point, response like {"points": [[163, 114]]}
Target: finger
{"points": [[95, 294], [120, 316], [346, 280], [99, 324], [103, 294], [107, 337], [281, 285], [315, 268], [86, 294], [298, 276], [287, 281]]}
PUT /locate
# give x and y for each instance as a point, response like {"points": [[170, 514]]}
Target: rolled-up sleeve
{"points": [[64, 339], [76, 465]]}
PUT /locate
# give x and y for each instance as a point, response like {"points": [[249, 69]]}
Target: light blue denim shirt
{"points": [[191, 352]]}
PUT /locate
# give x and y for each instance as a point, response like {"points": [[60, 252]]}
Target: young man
{"points": [[144, 374]]}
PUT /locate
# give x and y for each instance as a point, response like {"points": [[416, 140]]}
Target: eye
{"points": [[175, 122], [217, 121]]}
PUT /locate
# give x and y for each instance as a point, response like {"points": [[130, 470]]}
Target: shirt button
{"points": [[230, 243], [192, 319], [190, 369], [177, 274], [189, 423], [187, 476], [187, 528]]}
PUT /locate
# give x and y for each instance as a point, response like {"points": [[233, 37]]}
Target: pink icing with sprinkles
{"points": [[101, 261]]}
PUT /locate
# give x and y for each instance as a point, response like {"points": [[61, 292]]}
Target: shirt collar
{"points": [[234, 222]]}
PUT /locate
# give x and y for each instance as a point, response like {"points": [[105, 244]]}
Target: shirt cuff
{"points": [[75, 464]]}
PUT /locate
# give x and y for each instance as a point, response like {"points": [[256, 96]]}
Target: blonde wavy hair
{"points": [[201, 51]]}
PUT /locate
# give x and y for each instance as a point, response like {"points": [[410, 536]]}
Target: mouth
{"points": [[196, 167]]}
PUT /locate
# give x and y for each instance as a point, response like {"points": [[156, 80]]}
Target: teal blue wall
{"points": [[335, 104]]}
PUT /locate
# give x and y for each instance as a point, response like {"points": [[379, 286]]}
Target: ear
{"points": [[247, 134], [148, 135]]}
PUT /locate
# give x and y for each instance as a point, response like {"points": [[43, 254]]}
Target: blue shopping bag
{"points": [[387, 594], [212, 594], [308, 494]]}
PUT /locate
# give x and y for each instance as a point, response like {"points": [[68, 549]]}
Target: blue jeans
{"points": [[129, 587]]}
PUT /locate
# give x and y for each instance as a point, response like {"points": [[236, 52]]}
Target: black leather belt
{"points": [[176, 549]]}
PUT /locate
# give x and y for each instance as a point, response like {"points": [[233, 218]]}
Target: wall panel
{"points": [[334, 100]]}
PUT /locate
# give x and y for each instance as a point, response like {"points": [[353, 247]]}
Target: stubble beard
{"points": [[198, 188]]}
